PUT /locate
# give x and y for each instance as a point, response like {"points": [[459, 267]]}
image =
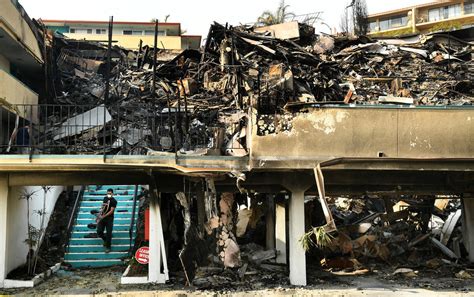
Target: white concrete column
{"points": [[468, 225], [157, 257], [154, 266], [270, 222], [3, 227], [296, 230], [280, 232]]}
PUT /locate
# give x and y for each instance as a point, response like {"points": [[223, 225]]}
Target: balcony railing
{"points": [[125, 129]]}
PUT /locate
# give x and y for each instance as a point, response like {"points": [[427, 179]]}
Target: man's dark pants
{"points": [[107, 224]]}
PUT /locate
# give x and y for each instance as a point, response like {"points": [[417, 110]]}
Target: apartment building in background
{"points": [[127, 34], [425, 18]]}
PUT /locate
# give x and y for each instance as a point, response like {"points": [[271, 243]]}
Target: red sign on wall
{"points": [[142, 255], [147, 224]]}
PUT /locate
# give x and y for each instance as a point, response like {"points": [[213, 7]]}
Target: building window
{"points": [[468, 7], [443, 13], [452, 11], [132, 32], [100, 31], [80, 31], [373, 26], [393, 22], [152, 32], [433, 15], [400, 21]]}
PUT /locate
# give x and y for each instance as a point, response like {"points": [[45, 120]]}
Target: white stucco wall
{"points": [[17, 225]]}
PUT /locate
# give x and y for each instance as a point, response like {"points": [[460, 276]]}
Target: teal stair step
{"points": [[89, 252], [92, 241], [85, 221], [95, 263], [119, 208], [102, 255], [103, 192], [99, 203], [117, 227], [118, 234], [113, 187], [101, 197], [84, 248], [88, 215]]}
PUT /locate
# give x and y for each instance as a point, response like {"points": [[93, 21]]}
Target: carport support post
{"points": [[3, 227], [297, 184], [270, 221], [201, 208], [296, 230], [280, 232], [156, 243], [468, 224]]}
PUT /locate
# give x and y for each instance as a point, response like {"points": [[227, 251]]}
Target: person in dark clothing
{"points": [[21, 139], [105, 219]]}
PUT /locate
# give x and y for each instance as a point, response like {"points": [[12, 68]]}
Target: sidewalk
{"points": [[106, 282]]}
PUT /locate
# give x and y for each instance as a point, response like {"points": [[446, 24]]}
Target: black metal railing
{"points": [[73, 215], [127, 129], [132, 223]]}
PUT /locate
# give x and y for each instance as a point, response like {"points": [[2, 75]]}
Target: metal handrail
{"points": [[130, 231], [74, 214], [133, 128]]}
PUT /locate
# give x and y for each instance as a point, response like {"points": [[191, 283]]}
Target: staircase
{"points": [[86, 251]]}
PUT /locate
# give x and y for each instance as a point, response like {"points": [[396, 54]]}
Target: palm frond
{"points": [[277, 17], [322, 238]]}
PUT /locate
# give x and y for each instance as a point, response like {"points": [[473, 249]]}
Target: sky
{"points": [[195, 16]]}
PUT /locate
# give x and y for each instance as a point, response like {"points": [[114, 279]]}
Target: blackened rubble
{"points": [[411, 235], [201, 102], [408, 238]]}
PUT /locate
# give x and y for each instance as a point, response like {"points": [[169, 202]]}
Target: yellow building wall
{"points": [[15, 92], [12, 22], [132, 41]]}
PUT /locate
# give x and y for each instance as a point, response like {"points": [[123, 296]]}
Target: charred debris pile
{"points": [[406, 237], [410, 232], [202, 102]]}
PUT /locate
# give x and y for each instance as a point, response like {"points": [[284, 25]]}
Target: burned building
{"points": [[275, 124]]}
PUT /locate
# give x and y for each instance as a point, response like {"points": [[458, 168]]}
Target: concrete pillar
{"points": [[413, 19], [280, 232], [468, 225], [3, 227], [157, 244], [297, 184], [201, 208], [296, 230], [155, 255], [270, 221]]}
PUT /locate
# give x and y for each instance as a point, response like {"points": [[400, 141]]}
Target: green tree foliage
{"points": [[276, 17]]}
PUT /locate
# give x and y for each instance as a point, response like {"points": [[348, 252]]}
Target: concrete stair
{"points": [[85, 251]]}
